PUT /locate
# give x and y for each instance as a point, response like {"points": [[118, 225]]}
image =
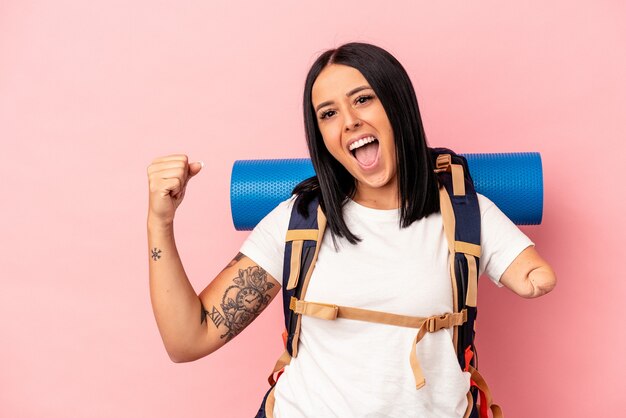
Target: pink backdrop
{"points": [[92, 91]]}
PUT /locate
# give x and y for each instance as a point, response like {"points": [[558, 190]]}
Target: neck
{"points": [[386, 197]]}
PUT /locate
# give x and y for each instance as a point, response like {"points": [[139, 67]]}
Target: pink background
{"points": [[92, 91]]}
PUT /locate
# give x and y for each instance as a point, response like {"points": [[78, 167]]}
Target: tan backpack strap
{"points": [[331, 312], [458, 180], [301, 235], [317, 310], [449, 225], [472, 281], [295, 261], [447, 217], [282, 361], [470, 250], [444, 163], [297, 238], [481, 384], [467, 248], [431, 324], [321, 227], [269, 404]]}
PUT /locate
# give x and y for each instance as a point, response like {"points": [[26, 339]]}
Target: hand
{"points": [[167, 179]]}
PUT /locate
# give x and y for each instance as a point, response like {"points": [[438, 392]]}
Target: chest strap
{"points": [[429, 324]]}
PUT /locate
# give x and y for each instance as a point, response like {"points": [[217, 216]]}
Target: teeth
{"points": [[361, 142]]}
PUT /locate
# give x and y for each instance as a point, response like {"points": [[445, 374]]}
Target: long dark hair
{"points": [[333, 184]]}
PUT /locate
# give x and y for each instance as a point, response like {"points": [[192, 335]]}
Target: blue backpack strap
{"points": [[301, 248], [461, 217]]}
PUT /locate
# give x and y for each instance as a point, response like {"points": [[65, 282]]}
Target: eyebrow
{"points": [[348, 94], [356, 90]]}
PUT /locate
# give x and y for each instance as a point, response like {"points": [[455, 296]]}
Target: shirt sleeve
{"points": [[501, 240], [266, 243]]}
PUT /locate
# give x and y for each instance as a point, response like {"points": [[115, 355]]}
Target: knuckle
{"points": [[169, 158]]}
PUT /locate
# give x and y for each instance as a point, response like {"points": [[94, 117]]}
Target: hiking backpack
{"points": [[461, 221]]}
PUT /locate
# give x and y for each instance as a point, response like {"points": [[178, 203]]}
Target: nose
{"points": [[351, 122]]}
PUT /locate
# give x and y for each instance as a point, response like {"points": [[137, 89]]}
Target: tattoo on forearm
{"points": [[156, 254], [241, 302], [203, 313], [214, 315]]}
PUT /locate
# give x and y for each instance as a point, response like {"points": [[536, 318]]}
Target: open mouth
{"points": [[365, 150]]}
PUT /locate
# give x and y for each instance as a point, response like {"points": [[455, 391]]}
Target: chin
{"points": [[378, 183]]}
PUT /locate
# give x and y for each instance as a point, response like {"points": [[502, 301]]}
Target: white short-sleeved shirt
{"points": [[347, 368]]}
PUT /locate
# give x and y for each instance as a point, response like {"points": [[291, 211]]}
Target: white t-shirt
{"points": [[348, 368]]}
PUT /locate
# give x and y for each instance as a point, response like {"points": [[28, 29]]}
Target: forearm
{"points": [[540, 281], [529, 275], [176, 306]]}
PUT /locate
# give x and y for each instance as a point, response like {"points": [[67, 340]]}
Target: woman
{"points": [[388, 252]]}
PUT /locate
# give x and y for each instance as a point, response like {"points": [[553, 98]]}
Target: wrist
{"points": [[156, 223]]}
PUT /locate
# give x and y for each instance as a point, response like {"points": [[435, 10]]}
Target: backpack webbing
{"points": [[304, 237]]}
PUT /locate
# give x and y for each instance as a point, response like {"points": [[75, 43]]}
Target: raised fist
{"points": [[167, 179]]}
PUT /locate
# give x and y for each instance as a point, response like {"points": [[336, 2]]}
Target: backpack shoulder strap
{"points": [[461, 219], [302, 245]]}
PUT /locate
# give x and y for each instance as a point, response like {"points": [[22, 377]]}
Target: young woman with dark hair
{"points": [[417, 183], [376, 186]]}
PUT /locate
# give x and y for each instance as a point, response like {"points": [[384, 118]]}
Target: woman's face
{"points": [[355, 127]]}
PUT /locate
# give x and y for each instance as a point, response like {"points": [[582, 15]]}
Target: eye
{"points": [[327, 114], [363, 99]]}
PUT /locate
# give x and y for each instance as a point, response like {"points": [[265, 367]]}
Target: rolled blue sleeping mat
{"points": [[513, 181]]}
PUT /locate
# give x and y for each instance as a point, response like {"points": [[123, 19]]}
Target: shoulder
{"points": [[286, 205], [484, 203], [280, 211], [265, 244], [493, 218], [276, 222]]}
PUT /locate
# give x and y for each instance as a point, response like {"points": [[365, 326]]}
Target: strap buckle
{"points": [[315, 309], [292, 303], [443, 163], [448, 320], [435, 323]]}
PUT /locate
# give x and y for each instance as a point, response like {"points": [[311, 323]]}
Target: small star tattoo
{"points": [[156, 254]]}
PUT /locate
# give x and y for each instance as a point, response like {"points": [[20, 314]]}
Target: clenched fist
{"points": [[167, 178]]}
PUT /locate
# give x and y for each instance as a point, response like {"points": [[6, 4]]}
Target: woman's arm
{"points": [[175, 304], [193, 326], [529, 275], [233, 299]]}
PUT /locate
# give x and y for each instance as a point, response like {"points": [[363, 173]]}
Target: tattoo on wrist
{"points": [[242, 302], [156, 254]]}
